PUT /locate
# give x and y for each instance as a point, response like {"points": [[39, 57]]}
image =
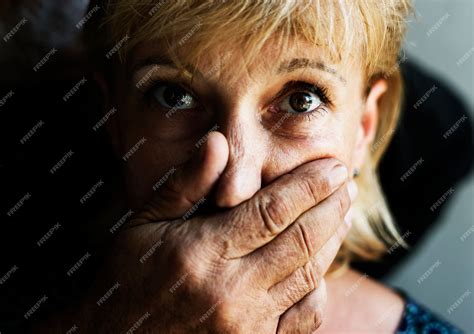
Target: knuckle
{"points": [[310, 276], [315, 187], [321, 185], [316, 176], [304, 241], [317, 319], [272, 210]]}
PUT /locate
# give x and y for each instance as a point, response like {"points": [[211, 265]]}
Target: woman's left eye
{"points": [[300, 103]]}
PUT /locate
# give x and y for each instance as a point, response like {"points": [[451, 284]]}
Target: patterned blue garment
{"points": [[417, 319]]}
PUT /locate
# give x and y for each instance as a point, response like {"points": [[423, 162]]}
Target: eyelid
{"points": [[299, 86], [143, 80]]}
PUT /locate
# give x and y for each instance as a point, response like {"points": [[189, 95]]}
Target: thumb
{"points": [[191, 182]]}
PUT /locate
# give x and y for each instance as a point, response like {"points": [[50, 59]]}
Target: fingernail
{"points": [[352, 188], [338, 175]]}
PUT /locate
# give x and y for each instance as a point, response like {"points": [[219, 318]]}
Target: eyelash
{"points": [[295, 86], [147, 89], [290, 87]]}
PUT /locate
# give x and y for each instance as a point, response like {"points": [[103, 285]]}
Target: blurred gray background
{"points": [[441, 40]]}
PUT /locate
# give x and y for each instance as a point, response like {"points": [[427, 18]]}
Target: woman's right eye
{"points": [[171, 96]]}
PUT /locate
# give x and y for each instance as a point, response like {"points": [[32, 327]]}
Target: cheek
{"points": [[151, 164], [168, 143], [335, 139]]}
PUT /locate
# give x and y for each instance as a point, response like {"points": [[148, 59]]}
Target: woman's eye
{"points": [[300, 102], [172, 96]]}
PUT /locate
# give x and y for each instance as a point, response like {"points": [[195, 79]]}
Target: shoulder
{"points": [[356, 303]]}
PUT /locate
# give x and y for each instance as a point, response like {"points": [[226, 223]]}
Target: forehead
{"points": [[272, 59]]}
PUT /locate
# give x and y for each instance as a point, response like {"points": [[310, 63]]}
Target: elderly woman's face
{"points": [[277, 115]]}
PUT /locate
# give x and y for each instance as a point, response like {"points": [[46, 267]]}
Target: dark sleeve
{"points": [[417, 318], [432, 150]]}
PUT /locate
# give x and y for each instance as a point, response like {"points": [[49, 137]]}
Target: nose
{"points": [[247, 146]]}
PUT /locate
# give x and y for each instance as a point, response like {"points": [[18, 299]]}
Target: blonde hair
{"points": [[373, 29]]}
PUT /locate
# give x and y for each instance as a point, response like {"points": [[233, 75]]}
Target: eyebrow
{"points": [[162, 61], [285, 66], [297, 63]]}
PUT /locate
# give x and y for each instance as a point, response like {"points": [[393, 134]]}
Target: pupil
{"points": [[174, 96], [300, 102]]}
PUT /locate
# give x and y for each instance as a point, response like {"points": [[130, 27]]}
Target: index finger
{"points": [[271, 210]]}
